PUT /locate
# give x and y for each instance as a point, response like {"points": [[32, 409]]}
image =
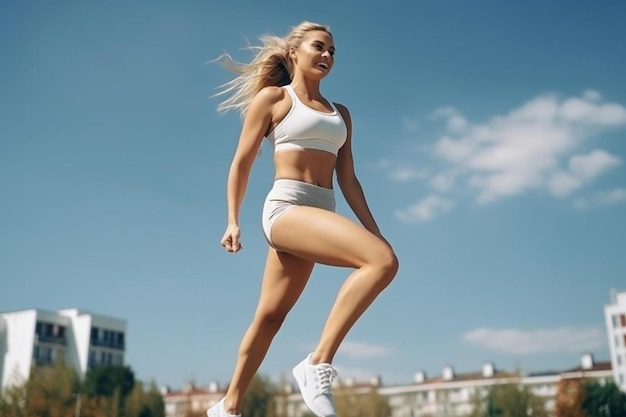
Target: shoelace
{"points": [[327, 375]]}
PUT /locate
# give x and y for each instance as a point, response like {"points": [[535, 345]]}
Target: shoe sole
{"points": [[298, 373]]}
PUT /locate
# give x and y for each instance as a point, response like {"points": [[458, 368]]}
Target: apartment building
{"points": [[38, 337], [191, 400], [615, 315], [446, 395]]}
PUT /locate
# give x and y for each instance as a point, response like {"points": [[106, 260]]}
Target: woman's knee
{"points": [[270, 321], [387, 263]]}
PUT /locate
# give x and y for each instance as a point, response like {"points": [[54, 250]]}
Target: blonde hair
{"points": [[271, 66]]}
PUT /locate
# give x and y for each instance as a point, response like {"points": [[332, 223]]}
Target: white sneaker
{"points": [[218, 411], [315, 385]]}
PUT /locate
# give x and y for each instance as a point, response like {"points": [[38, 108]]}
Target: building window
{"points": [[622, 318], [43, 355], [94, 334], [108, 338], [49, 332]]}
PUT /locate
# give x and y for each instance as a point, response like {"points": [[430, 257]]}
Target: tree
{"points": [[569, 398], [55, 391], [50, 391], [105, 380], [370, 404], [13, 400], [140, 403], [604, 400], [511, 400], [258, 401], [153, 401]]}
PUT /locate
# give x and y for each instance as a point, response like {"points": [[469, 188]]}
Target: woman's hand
{"points": [[230, 241]]}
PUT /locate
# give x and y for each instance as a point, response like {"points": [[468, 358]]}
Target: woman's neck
{"points": [[306, 88]]}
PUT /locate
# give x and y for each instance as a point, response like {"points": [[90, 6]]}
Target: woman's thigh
{"points": [[284, 280], [325, 237]]}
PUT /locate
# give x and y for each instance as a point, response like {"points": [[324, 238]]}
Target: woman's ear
{"points": [[292, 54]]}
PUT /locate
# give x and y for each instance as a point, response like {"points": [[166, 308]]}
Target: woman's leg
{"points": [[284, 280], [322, 236]]}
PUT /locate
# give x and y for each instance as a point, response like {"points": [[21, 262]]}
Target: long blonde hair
{"points": [[271, 66]]}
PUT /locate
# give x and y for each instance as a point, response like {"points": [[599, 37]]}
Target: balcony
{"points": [[113, 344], [43, 361], [43, 338]]}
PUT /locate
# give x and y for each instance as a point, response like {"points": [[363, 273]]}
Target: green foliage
{"points": [[258, 401], [142, 403], [604, 400], [509, 400], [13, 400], [56, 391], [370, 404], [50, 391], [105, 380]]}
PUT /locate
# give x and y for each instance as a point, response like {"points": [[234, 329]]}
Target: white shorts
{"points": [[287, 193]]}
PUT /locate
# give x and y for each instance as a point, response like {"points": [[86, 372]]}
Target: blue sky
{"points": [[490, 139]]}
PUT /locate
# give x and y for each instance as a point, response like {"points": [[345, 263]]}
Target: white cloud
{"points": [[563, 183], [404, 174], [455, 120], [602, 198], [588, 167], [531, 147], [581, 169], [443, 182], [525, 342], [592, 95], [425, 210], [350, 374], [362, 350]]}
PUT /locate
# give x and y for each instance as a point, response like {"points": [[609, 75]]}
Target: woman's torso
{"points": [[306, 135]]}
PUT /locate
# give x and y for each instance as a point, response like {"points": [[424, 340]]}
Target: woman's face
{"points": [[315, 54]]}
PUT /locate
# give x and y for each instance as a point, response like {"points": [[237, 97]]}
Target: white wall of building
{"points": [[81, 326], [71, 340], [19, 329], [615, 316]]}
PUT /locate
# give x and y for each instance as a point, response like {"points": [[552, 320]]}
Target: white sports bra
{"points": [[306, 128]]}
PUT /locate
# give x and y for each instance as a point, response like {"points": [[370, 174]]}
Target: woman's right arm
{"points": [[255, 126]]}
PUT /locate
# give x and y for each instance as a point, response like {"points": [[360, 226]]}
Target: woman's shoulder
{"points": [[267, 99], [271, 94], [343, 110]]}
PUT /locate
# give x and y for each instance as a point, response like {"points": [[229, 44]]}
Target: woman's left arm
{"points": [[349, 183]]}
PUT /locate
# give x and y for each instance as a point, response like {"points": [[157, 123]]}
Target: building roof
{"points": [[597, 367], [192, 392], [471, 376]]}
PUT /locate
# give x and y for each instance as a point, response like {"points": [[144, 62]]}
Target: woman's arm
{"points": [[255, 126], [349, 183]]}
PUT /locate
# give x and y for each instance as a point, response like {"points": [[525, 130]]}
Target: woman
{"points": [[279, 95]]}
